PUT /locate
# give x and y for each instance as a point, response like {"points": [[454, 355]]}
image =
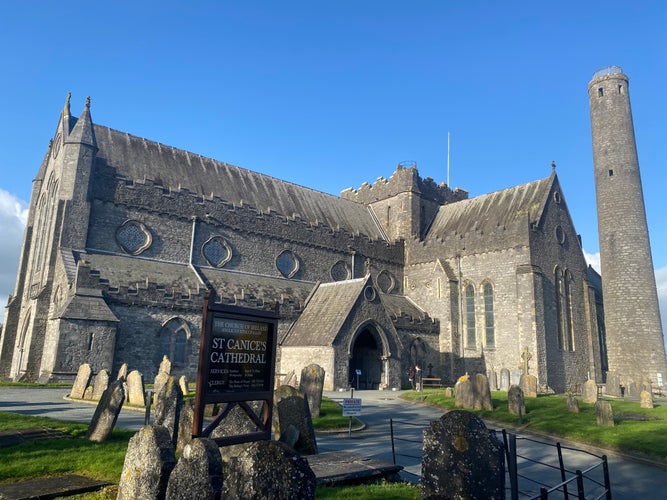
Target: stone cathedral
{"points": [[125, 236]]}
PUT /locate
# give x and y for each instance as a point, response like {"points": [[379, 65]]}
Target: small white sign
{"points": [[351, 407]]}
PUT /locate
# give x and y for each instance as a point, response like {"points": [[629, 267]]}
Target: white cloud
{"points": [[593, 259], [13, 217]]}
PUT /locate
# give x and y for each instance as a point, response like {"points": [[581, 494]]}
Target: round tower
{"points": [[635, 344]]}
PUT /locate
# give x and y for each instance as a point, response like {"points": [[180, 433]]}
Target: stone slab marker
{"points": [[148, 462], [604, 414], [183, 384], [81, 382], [493, 380], [515, 401], [168, 405], [461, 458], [449, 392], [572, 404], [463, 394], [645, 399], [106, 413], [185, 426], [269, 469], [528, 384], [162, 375], [482, 393], [135, 388], [122, 372], [590, 392], [198, 473], [504, 379], [291, 408], [613, 385], [312, 384], [100, 384]]}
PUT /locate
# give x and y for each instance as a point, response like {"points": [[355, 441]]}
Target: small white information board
{"points": [[351, 407]]}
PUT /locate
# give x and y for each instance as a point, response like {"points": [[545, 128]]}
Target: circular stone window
{"points": [[217, 251], [133, 237], [287, 263], [369, 293], [340, 271], [386, 281]]}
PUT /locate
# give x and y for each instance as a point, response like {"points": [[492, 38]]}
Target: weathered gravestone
{"points": [[604, 414], [122, 372], [590, 392], [185, 420], [515, 401], [613, 385], [482, 393], [463, 394], [572, 403], [268, 469], [290, 379], [135, 388], [504, 379], [493, 380], [473, 393], [168, 405], [89, 393], [515, 377], [461, 458], [149, 460], [100, 384], [162, 376], [106, 413], [633, 390], [645, 399], [198, 473], [237, 422], [449, 392], [312, 384], [290, 408], [81, 381], [183, 384], [528, 384]]}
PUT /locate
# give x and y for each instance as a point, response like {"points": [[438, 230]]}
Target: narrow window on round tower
{"points": [[600, 92]]}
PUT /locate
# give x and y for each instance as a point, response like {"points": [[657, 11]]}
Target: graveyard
{"points": [[78, 449]]}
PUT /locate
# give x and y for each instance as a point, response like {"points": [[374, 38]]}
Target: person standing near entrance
{"points": [[411, 377], [418, 378]]}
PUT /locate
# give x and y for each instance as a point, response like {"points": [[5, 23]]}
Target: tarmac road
{"points": [[630, 479]]}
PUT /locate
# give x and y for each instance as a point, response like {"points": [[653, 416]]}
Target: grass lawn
{"points": [[640, 431]]}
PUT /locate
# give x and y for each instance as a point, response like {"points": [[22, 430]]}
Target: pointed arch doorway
{"points": [[367, 356]]}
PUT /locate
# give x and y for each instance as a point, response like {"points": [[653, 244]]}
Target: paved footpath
{"points": [[630, 479]]}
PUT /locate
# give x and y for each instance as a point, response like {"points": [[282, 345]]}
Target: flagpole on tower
{"points": [[448, 149]]}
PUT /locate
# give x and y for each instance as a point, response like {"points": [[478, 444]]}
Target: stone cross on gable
{"points": [[526, 357]]}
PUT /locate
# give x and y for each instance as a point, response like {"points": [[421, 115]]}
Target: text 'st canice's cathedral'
{"points": [[125, 236]]}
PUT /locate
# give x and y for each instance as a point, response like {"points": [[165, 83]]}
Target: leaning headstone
{"points": [[149, 460], [449, 392], [100, 384], [604, 413], [515, 401], [122, 372], [106, 413], [504, 379], [198, 473], [312, 384], [290, 436], [528, 384], [463, 394], [168, 407], [269, 469], [645, 399], [183, 384], [461, 458], [481, 393], [135, 388], [290, 379], [185, 421], [613, 385], [590, 392], [572, 403], [291, 408], [81, 381]]}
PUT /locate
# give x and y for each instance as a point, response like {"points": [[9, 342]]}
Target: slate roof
{"points": [[134, 158], [325, 313], [508, 207], [399, 305]]}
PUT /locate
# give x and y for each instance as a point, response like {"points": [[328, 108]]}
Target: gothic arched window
{"points": [[471, 335], [563, 282], [174, 336], [489, 325]]}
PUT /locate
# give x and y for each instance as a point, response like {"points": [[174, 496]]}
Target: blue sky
{"points": [[333, 94]]}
